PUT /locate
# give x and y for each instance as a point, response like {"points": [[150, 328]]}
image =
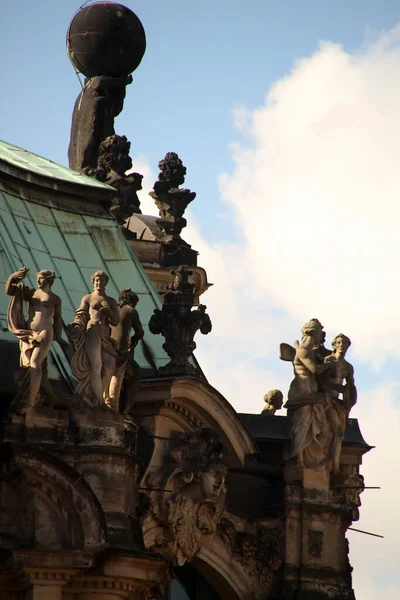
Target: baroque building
{"points": [[125, 474]]}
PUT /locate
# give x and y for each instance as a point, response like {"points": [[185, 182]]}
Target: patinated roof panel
{"points": [[33, 163], [74, 246]]}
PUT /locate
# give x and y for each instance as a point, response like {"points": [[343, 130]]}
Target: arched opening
{"points": [[189, 584]]}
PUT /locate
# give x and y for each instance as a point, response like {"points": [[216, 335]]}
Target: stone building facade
{"points": [[124, 473]]}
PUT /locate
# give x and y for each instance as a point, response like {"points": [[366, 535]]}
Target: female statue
{"points": [[94, 359], [44, 323]]}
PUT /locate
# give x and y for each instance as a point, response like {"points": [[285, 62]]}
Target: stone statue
{"points": [[36, 333], [319, 414], [274, 402], [309, 424], [112, 164], [337, 410], [96, 107], [94, 359], [126, 368]]}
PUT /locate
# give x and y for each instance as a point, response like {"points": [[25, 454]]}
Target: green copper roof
{"points": [[74, 246], [42, 166]]}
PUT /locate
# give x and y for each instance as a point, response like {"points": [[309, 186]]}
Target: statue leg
{"points": [[108, 371], [37, 357], [131, 388], [93, 349], [115, 386]]}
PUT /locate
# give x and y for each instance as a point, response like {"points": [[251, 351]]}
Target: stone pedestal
{"points": [[95, 427], [317, 563], [39, 425]]}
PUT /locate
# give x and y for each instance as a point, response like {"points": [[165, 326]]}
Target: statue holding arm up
{"points": [[37, 332]]}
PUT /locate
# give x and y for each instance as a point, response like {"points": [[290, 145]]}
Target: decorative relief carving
{"points": [[315, 542], [186, 496], [260, 553], [352, 488]]}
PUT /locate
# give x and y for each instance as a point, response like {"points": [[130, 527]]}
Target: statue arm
{"points": [[84, 305], [14, 280], [137, 328], [58, 324], [350, 387], [112, 312]]}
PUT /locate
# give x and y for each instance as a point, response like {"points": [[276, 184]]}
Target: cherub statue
{"points": [[274, 402], [37, 332], [126, 367], [93, 362]]}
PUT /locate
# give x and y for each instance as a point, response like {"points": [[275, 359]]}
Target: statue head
{"points": [[274, 400], [212, 479], [45, 277], [341, 343], [128, 297], [313, 328], [100, 279]]}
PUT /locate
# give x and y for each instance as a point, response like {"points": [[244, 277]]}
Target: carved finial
{"points": [[112, 164], [170, 199], [178, 323]]}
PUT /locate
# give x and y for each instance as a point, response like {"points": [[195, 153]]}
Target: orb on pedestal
{"points": [[106, 38]]}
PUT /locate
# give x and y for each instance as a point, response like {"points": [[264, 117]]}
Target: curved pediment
{"points": [[188, 403]]}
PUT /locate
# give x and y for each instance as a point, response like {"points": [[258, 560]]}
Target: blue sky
{"points": [[286, 116]]}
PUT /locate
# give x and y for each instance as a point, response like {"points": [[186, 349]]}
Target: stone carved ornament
{"points": [[319, 414], [315, 542], [35, 334], [178, 323], [260, 553], [188, 496], [113, 163]]}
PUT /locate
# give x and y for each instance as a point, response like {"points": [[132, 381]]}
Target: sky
{"points": [[286, 115]]}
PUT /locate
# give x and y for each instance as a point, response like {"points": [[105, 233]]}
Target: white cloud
{"points": [[314, 189]]}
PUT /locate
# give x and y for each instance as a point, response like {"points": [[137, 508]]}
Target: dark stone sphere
{"points": [[106, 38]]}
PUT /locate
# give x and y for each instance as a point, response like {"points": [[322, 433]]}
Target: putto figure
{"points": [[126, 368], [94, 359], [37, 332]]}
